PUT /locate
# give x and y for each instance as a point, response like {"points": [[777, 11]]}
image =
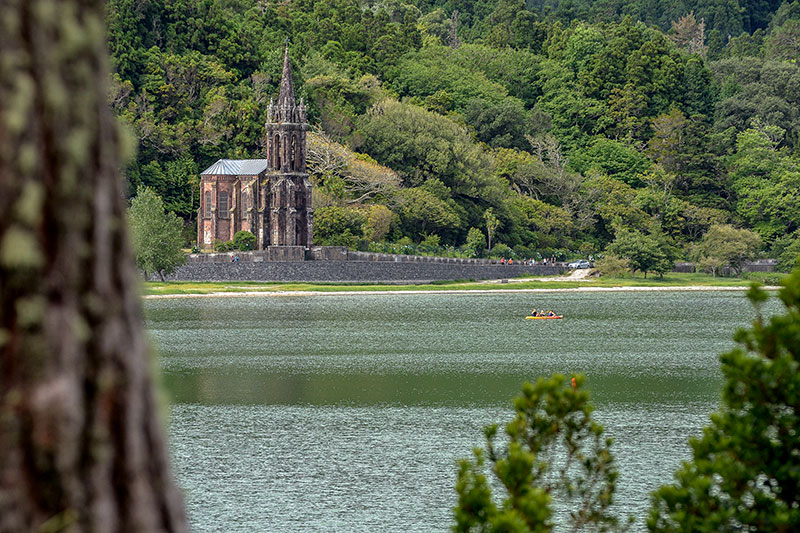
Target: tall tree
{"points": [[156, 234], [82, 442], [765, 178], [732, 246], [361, 177], [643, 252], [492, 223], [420, 145], [689, 34]]}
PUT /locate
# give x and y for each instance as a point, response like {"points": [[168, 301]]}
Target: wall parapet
{"points": [[338, 264], [402, 258], [351, 271], [760, 265], [336, 253]]}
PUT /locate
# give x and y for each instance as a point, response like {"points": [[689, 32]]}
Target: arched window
{"points": [[223, 205], [292, 151], [277, 152], [208, 205], [244, 202]]}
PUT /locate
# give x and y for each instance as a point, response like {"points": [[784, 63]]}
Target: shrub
{"points": [[522, 251], [790, 257], [338, 226], [430, 244], [767, 278], [555, 452], [244, 240], [344, 238], [612, 266], [501, 250], [588, 248], [378, 222], [476, 243], [223, 246]]}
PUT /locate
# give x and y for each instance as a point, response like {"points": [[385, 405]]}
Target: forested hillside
{"points": [[563, 124]]}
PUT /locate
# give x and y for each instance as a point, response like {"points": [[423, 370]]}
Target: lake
{"points": [[349, 412]]}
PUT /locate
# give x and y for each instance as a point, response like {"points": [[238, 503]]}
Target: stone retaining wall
{"points": [[350, 271], [399, 258], [762, 265], [329, 253], [272, 253], [338, 264]]}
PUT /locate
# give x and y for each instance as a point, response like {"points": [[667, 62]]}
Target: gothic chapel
{"points": [[270, 197]]}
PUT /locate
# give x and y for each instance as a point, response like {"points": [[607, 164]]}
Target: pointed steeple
{"points": [[286, 96]]}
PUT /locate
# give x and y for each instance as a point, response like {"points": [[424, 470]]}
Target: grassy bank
{"points": [[672, 280]]}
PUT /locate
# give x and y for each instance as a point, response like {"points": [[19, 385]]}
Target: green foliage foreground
{"points": [[745, 470], [744, 474], [555, 452]]}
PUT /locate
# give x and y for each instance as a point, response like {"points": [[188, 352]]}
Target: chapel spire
{"points": [[287, 191], [286, 96]]}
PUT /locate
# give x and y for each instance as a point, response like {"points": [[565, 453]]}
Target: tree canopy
{"points": [[643, 252], [156, 234], [679, 115]]}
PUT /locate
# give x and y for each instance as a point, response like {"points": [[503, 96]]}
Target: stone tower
{"points": [[269, 197], [287, 188]]}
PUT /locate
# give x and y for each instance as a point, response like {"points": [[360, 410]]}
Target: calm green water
{"points": [[348, 413]]}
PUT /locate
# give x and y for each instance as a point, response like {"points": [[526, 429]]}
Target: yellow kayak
{"points": [[557, 317]]}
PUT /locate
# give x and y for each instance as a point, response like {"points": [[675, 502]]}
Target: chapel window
{"points": [[223, 205], [244, 201], [208, 205]]}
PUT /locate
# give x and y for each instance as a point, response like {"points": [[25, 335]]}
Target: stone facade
{"points": [[231, 196], [291, 216], [270, 197]]}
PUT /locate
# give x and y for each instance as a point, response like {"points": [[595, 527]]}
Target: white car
{"points": [[581, 263]]}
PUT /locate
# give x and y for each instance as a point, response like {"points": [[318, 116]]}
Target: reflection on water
{"points": [[347, 413]]}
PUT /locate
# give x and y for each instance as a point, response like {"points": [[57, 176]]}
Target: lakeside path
{"points": [[576, 281], [248, 294], [581, 275]]}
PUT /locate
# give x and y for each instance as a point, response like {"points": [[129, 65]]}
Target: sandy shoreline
{"points": [[249, 294]]}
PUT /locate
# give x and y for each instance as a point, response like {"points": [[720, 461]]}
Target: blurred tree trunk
{"points": [[82, 446]]}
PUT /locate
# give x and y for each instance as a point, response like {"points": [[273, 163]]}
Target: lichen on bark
{"points": [[83, 447]]}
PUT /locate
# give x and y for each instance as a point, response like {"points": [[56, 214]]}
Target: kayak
{"points": [[557, 317]]}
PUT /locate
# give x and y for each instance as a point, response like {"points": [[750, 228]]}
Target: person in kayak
{"points": [[534, 312], [551, 313]]}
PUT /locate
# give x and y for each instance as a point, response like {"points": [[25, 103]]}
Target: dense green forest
{"points": [[558, 125]]}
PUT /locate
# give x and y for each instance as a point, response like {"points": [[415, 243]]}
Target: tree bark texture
{"points": [[82, 447]]}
